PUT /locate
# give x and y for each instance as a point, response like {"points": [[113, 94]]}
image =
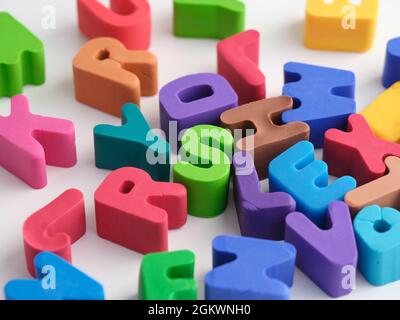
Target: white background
{"points": [[281, 25]]}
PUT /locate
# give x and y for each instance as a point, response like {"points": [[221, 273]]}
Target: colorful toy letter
{"points": [[204, 169], [296, 172], [136, 212], [358, 152], [55, 227], [324, 98], [133, 144], [28, 142], [21, 57], [208, 18], [391, 73], [238, 58], [250, 269], [328, 256], [260, 214], [195, 99], [56, 280], [384, 191], [128, 21], [382, 114], [269, 138], [340, 25], [107, 75], [168, 276], [378, 239]]}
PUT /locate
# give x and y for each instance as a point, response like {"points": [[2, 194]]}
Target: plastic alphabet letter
{"points": [[250, 269], [384, 191], [391, 73], [296, 172], [128, 21], [168, 276], [195, 99], [205, 169], [107, 75], [70, 283], [270, 138], [324, 98], [28, 142], [21, 57], [55, 227], [260, 214], [238, 58], [358, 152], [136, 212], [131, 145], [340, 25], [323, 253], [378, 239], [382, 114], [208, 18]]}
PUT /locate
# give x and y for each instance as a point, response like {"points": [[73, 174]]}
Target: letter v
{"points": [[322, 254]]}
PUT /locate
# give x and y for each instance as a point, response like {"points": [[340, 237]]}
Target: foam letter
{"points": [[260, 214], [250, 269], [324, 98], [128, 21], [70, 283], [168, 276], [358, 152], [238, 58], [270, 138], [322, 254], [107, 75], [131, 145], [296, 172], [136, 212], [29, 142]]}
